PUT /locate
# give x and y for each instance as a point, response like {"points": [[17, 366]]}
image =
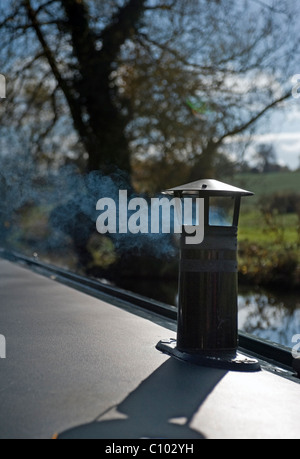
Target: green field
{"points": [[254, 229], [269, 241], [253, 226], [266, 184]]}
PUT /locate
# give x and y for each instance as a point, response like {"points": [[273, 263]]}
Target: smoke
{"points": [[219, 217], [65, 209]]}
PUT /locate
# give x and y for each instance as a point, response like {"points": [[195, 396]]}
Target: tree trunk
{"points": [[91, 95], [204, 166], [105, 139]]}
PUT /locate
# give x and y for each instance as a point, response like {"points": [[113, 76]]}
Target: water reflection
{"points": [[274, 316], [269, 315]]}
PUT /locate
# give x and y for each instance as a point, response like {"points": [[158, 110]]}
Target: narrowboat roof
{"points": [[82, 365]]}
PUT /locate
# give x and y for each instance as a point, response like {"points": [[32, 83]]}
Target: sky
{"points": [[282, 130], [282, 127], [279, 128]]}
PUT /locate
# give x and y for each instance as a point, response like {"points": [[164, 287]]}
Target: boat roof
{"points": [[85, 365]]}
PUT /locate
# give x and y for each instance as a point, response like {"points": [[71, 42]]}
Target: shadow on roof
{"points": [[162, 406]]}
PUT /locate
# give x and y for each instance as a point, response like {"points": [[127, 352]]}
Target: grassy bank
{"points": [[265, 185], [269, 241], [269, 237]]}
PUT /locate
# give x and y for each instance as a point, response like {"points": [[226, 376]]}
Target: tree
{"points": [[78, 62], [119, 80], [191, 95], [266, 157]]}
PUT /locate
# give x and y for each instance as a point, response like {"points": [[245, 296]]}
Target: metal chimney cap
{"points": [[209, 187]]}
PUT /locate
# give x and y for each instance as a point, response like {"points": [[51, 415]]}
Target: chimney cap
{"points": [[208, 187]]}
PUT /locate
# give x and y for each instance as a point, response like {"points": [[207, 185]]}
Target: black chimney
{"points": [[207, 329]]}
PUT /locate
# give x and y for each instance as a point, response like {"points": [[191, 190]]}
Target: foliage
{"points": [[265, 185], [111, 83], [269, 248], [266, 157], [264, 266], [283, 203]]}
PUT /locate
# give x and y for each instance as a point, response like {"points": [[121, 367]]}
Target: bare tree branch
{"points": [[45, 133], [44, 6], [73, 104], [243, 127], [269, 7]]}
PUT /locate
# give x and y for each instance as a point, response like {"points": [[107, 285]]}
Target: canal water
{"points": [[271, 315], [274, 316]]}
